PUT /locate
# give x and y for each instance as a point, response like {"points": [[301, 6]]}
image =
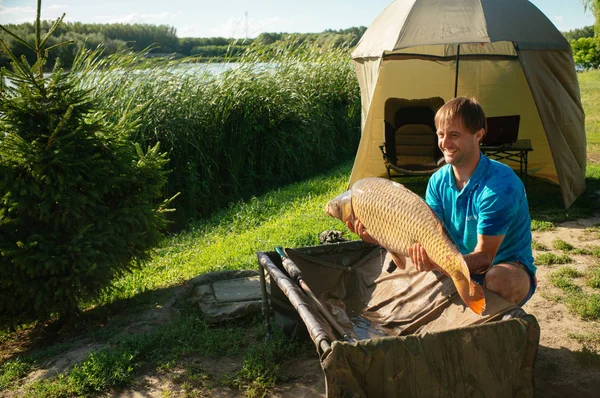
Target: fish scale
{"points": [[397, 218]]}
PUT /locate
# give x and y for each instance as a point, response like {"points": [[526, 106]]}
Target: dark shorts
{"points": [[480, 278]]}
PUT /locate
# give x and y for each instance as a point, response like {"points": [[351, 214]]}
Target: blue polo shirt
{"points": [[493, 202]]}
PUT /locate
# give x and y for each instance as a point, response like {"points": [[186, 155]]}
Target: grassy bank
{"points": [[290, 216]]}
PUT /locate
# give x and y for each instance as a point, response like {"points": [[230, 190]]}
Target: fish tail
{"points": [[472, 294]]}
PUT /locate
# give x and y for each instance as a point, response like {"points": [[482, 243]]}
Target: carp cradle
{"points": [[411, 334]]}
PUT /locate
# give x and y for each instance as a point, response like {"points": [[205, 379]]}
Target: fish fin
{"points": [[472, 294]]}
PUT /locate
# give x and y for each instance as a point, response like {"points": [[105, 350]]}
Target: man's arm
{"points": [[482, 257], [479, 261]]}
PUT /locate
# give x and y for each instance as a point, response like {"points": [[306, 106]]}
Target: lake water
{"points": [[212, 68]]}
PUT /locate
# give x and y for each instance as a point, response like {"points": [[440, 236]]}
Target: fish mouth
{"points": [[328, 211]]}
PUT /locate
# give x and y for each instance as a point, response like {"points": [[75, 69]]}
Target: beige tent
{"points": [[512, 59]]}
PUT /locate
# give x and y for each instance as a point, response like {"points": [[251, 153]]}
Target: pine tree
{"points": [[79, 204]]}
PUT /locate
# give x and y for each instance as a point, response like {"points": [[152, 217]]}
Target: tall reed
{"points": [[272, 118]]}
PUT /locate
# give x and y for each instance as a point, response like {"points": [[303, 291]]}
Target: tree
{"points": [[586, 31], [586, 52], [594, 6], [79, 204]]}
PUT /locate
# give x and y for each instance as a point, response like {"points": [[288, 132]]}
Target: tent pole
{"points": [[456, 77]]}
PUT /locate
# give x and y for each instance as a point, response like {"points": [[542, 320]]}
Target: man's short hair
{"points": [[468, 109]]}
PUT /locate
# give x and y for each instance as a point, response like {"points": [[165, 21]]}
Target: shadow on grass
{"points": [[546, 203], [99, 323]]}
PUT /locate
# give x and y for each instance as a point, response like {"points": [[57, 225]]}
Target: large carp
{"points": [[397, 218]]}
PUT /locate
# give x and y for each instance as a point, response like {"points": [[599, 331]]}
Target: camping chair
{"points": [[410, 144]]}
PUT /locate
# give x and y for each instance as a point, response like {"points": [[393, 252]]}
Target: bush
{"points": [[78, 203], [585, 52]]}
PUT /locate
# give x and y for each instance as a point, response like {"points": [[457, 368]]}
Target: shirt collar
{"points": [[479, 170], [476, 177]]}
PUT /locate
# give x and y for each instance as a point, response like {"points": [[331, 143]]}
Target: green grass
{"points": [[589, 84], [569, 272], [585, 305], [13, 370], [592, 232], [542, 226], [291, 216], [188, 335], [594, 278], [551, 259], [559, 244], [566, 247], [562, 279]]}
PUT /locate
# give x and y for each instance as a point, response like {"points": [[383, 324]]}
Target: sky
{"points": [[245, 18]]}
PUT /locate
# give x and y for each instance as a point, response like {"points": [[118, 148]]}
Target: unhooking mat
{"points": [[410, 333]]}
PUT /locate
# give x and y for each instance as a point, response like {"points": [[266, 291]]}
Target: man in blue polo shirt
{"points": [[482, 204]]}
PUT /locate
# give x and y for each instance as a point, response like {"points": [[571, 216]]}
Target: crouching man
{"points": [[483, 205]]}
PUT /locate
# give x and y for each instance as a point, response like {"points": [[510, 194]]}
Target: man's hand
{"points": [[359, 228], [421, 260]]}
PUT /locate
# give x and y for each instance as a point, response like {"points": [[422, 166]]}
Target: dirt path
{"points": [[557, 372]]}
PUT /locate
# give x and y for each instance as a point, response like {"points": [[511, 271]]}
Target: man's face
{"points": [[459, 146]]}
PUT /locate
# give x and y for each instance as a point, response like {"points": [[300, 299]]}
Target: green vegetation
{"points": [[236, 134], [586, 305], [551, 258], [559, 244], [585, 52], [235, 142], [592, 232], [562, 279], [586, 31], [566, 247], [594, 278], [115, 366], [12, 371], [590, 97], [291, 216], [542, 226], [79, 205], [162, 41], [594, 6]]}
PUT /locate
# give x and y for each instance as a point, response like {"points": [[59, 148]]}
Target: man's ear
{"points": [[480, 133]]}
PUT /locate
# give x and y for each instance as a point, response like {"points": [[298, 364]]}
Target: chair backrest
{"points": [[415, 140], [410, 129]]}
